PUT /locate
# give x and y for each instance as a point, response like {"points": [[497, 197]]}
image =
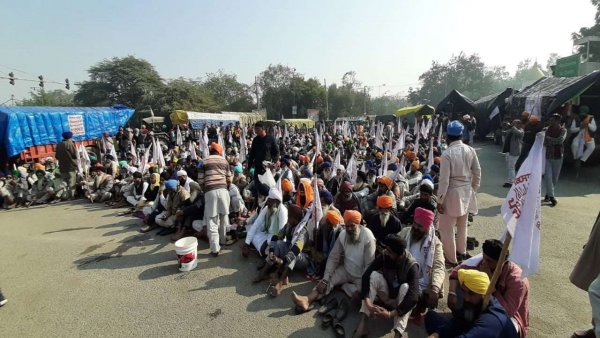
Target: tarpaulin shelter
{"points": [[299, 123], [490, 111], [198, 120], [455, 105], [24, 127], [423, 109]]}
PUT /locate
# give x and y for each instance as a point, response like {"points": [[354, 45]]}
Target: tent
{"points": [[299, 123], [490, 111], [198, 120], [420, 108], [455, 103]]}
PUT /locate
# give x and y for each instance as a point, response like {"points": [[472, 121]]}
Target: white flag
{"points": [[192, 149], [243, 150], [336, 164], [521, 210], [179, 137], [417, 141], [205, 143], [430, 157], [221, 141], [351, 170]]}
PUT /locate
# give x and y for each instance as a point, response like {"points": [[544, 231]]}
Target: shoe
{"points": [[507, 185], [214, 254], [546, 198], [470, 217], [3, 300], [553, 201], [584, 334]]}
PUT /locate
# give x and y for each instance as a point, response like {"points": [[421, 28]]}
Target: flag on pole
{"points": [[317, 150], [243, 150], [430, 157], [440, 135], [179, 137], [205, 144], [221, 141], [144, 162], [384, 163], [192, 149], [417, 141], [336, 164], [521, 210], [351, 170]]}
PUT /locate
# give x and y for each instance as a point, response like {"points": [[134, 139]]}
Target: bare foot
{"points": [[300, 301]]}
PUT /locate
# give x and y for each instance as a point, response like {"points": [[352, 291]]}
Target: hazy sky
{"points": [[389, 42]]}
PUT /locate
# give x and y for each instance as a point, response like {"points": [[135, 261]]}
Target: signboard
{"points": [[294, 110], [313, 114], [76, 125], [567, 66]]}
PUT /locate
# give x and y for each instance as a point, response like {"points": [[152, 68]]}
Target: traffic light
{"points": [[11, 78], [67, 84], [41, 81]]}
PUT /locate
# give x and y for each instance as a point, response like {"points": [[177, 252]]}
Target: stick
{"points": [[497, 271]]}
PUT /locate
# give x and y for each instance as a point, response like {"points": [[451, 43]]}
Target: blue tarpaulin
{"points": [[22, 127]]}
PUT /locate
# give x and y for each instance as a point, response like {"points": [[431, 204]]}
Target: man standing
{"points": [[460, 175], [264, 148], [393, 279], [66, 154], [512, 148], [555, 137], [583, 144], [215, 178]]}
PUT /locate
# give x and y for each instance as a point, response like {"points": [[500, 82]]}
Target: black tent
{"points": [[455, 105], [487, 105]]}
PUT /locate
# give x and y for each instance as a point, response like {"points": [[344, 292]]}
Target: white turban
{"points": [[181, 173], [341, 167], [427, 182], [275, 194]]}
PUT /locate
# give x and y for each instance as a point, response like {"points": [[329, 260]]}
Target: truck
{"points": [[31, 133]]}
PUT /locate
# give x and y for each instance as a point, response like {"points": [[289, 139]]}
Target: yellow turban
{"points": [[474, 280]]}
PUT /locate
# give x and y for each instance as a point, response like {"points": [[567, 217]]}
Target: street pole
{"points": [[256, 90], [365, 101], [326, 101]]}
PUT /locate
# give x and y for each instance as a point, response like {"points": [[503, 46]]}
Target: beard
{"points": [[325, 208], [471, 311], [272, 209], [354, 235], [347, 197], [384, 217], [326, 175], [417, 235]]}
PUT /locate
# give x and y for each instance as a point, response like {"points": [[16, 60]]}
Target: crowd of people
{"points": [[378, 211]]}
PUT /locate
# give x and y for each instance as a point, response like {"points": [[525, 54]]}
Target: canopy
{"points": [[298, 123], [420, 108], [154, 119], [198, 120], [455, 103], [490, 111], [22, 127], [246, 118]]}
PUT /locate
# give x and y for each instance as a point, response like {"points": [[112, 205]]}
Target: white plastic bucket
{"points": [[187, 253]]}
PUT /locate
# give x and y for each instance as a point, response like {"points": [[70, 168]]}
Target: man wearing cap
{"points": [[428, 252], [460, 176], [584, 126], [42, 191], [511, 291], [473, 319], [270, 220], [215, 178], [382, 221], [393, 280], [554, 144], [353, 252], [135, 195], [66, 154]]}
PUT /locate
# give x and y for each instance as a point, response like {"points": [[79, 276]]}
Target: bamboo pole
{"points": [[498, 270]]}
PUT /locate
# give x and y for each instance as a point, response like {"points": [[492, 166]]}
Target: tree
{"points": [[275, 84], [184, 94], [552, 58], [228, 92], [56, 97], [130, 81], [388, 105], [590, 31]]}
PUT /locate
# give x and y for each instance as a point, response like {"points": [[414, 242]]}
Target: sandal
{"points": [[330, 305]]}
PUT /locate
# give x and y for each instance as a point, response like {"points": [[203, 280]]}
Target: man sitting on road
{"points": [[428, 252], [392, 279], [352, 253], [271, 219], [382, 220], [511, 291], [384, 187], [424, 199], [101, 188]]}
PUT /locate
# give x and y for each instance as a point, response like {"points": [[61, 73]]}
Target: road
{"points": [[75, 269]]}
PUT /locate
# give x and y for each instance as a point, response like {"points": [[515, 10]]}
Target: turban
{"points": [[410, 155], [395, 243], [435, 168], [385, 180], [325, 165], [326, 196], [286, 185], [333, 217], [525, 114], [319, 159], [181, 173], [352, 216], [533, 119], [379, 155], [238, 169], [124, 163], [369, 163], [217, 147], [393, 167], [302, 158], [346, 186], [275, 194], [308, 194], [341, 167], [171, 184], [492, 248], [67, 135], [40, 172], [285, 161], [427, 177], [426, 186], [415, 164], [584, 110], [466, 117], [455, 128], [251, 171], [474, 280], [39, 166], [385, 202], [263, 189], [436, 160], [424, 217], [137, 174]]}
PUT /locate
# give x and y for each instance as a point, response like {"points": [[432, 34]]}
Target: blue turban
{"points": [[427, 177], [171, 184], [455, 128], [325, 165], [263, 189], [435, 168], [393, 167], [369, 164], [67, 135], [326, 195], [285, 161]]}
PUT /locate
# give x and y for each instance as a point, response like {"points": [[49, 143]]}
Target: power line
{"points": [[30, 80]]}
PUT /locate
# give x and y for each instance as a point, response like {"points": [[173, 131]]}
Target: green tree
{"points": [[57, 97], [590, 31], [228, 92], [277, 96], [184, 94], [388, 105], [130, 81]]}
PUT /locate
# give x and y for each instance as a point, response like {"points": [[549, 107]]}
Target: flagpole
{"points": [[498, 270]]}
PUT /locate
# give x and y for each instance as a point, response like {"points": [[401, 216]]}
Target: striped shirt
{"points": [[215, 173]]}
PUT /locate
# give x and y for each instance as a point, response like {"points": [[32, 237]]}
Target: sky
{"points": [[387, 42]]}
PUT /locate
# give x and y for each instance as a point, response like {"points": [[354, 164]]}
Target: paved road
{"points": [[80, 270]]}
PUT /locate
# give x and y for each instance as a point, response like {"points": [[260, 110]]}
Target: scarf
{"points": [[272, 218], [426, 249], [157, 180]]}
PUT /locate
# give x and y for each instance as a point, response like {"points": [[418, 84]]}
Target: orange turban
{"points": [[410, 155], [415, 164], [352, 216], [379, 155], [533, 119], [334, 217], [385, 202], [217, 147], [436, 160], [386, 180], [302, 159], [39, 166], [308, 193], [319, 159], [286, 185]]}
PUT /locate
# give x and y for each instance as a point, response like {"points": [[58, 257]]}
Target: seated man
{"points": [[136, 195], [424, 199], [392, 279], [346, 199], [324, 240], [384, 187], [42, 191], [427, 250], [270, 220], [176, 196], [305, 194], [353, 252], [382, 221], [414, 175], [473, 319], [101, 189], [511, 291]]}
